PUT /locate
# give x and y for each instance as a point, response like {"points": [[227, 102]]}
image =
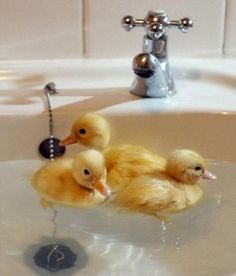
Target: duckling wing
{"points": [[151, 195], [126, 162]]}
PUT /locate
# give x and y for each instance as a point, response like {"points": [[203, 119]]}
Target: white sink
{"points": [[202, 116]]}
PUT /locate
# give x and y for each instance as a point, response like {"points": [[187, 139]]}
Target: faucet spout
{"points": [[144, 65], [151, 67], [153, 75], [152, 79]]}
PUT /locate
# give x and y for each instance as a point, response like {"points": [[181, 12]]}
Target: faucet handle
{"points": [[156, 23], [129, 22], [184, 24]]}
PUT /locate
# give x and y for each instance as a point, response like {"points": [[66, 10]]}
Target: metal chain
{"points": [[50, 89]]}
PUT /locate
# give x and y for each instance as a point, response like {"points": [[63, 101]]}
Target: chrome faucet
{"points": [[151, 67]]}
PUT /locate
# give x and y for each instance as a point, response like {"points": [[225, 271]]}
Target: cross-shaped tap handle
{"points": [[156, 23]]}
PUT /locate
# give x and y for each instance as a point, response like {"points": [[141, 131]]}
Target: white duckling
{"points": [[78, 182]]}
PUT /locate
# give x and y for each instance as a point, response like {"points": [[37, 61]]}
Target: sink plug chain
{"points": [[49, 148], [55, 256], [50, 89]]}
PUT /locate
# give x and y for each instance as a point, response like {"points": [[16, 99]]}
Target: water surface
{"points": [[200, 241]]}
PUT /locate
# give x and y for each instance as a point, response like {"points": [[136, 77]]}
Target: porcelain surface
{"points": [[201, 116]]}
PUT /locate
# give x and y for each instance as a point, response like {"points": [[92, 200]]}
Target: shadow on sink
{"points": [[98, 100], [204, 75]]}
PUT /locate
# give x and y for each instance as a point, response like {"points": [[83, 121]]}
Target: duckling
{"points": [[126, 162], [90, 130], [78, 182], [169, 191], [123, 162]]}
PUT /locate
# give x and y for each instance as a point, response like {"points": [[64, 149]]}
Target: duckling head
{"points": [[91, 130], [187, 166], [89, 171]]}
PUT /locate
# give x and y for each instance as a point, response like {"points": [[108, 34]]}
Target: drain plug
{"points": [[49, 148], [55, 257]]}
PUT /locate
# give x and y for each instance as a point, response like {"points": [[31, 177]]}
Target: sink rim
{"points": [[208, 85]]}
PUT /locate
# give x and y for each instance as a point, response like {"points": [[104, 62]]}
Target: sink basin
{"points": [[202, 116]]}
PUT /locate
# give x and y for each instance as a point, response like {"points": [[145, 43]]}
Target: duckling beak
{"points": [[68, 141], [209, 175], [102, 188]]}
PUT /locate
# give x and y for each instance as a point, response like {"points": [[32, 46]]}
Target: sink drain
{"points": [[55, 257], [50, 255]]}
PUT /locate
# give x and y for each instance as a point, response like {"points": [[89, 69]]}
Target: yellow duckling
{"points": [[123, 162], [168, 191], [90, 130], [79, 182]]}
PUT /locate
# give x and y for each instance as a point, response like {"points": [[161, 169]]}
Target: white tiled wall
{"points": [[105, 37], [230, 30], [40, 29], [64, 29]]}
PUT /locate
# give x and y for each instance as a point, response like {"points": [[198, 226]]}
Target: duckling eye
{"points": [[82, 131], [198, 168], [86, 172]]}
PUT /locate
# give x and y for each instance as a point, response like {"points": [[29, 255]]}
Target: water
{"points": [[200, 241]]}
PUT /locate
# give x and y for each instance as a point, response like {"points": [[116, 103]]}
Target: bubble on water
{"points": [[219, 199]]}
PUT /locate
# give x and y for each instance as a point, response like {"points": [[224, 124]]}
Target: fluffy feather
{"points": [[126, 162]]}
